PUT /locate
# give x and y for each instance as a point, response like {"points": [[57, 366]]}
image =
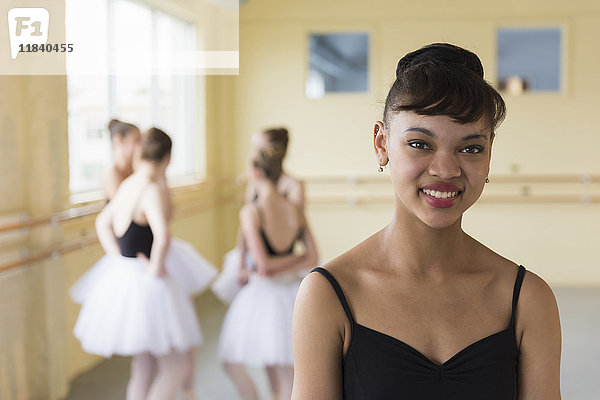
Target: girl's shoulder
{"points": [[535, 296], [292, 188], [287, 179], [248, 213], [350, 267]]}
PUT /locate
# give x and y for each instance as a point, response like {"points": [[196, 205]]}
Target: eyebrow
{"points": [[422, 130], [475, 136], [432, 135]]}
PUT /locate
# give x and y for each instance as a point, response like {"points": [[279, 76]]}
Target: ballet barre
{"points": [[61, 216], [502, 178], [92, 239], [50, 254], [522, 191], [96, 206], [379, 198]]}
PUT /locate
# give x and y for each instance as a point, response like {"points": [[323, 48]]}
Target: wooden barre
{"points": [[496, 198], [95, 207], [48, 254], [92, 239], [70, 214], [504, 179]]}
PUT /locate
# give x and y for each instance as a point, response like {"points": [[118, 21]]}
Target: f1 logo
{"points": [[27, 26]]}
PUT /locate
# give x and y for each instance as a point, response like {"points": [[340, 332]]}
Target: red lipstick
{"points": [[441, 195]]}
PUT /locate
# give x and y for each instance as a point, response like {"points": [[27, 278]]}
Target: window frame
{"points": [[194, 86], [563, 26]]}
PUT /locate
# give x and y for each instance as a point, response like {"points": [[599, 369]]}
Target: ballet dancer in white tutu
{"points": [[258, 325], [237, 261], [125, 139], [137, 300]]}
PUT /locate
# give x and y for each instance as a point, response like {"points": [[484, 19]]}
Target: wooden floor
{"points": [[580, 317], [108, 380]]}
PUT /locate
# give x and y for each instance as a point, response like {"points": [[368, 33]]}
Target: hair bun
{"points": [[113, 122], [274, 153], [441, 52]]}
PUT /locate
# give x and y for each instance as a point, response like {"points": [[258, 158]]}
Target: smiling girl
{"points": [[421, 310]]}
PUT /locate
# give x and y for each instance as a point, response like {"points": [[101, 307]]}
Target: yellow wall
{"points": [[38, 353], [544, 133]]}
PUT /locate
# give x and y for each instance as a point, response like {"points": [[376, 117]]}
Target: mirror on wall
{"points": [[529, 59], [338, 63]]}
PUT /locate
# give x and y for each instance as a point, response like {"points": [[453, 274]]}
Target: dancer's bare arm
{"points": [[318, 341], [539, 339], [105, 232], [155, 206], [296, 194]]}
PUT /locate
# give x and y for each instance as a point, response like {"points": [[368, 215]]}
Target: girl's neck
{"points": [[265, 188], [151, 171], [425, 251], [123, 164]]}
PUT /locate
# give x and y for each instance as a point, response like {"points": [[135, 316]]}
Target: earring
{"points": [[380, 169], [487, 180]]}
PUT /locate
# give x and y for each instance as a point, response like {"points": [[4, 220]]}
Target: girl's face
{"points": [[129, 143], [438, 166]]}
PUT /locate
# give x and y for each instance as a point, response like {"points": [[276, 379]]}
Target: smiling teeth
{"points": [[439, 195]]}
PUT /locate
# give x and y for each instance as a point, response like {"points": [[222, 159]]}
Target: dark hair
{"points": [[443, 79], [119, 128], [155, 145], [277, 138], [269, 161]]}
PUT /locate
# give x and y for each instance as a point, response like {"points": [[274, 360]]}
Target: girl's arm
{"points": [[296, 195], [318, 341], [241, 245], [155, 206], [539, 340], [243, 273], [265, 264], [105, 232], [250, 192]]}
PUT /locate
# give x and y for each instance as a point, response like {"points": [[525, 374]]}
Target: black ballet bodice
{"points": [[380, 367], [136, 239]]}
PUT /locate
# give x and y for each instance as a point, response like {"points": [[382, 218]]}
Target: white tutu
{"points": [[126, 310], [257, 329], [192, 271], [227, 285]]}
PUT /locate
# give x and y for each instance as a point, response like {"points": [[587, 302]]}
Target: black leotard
{"points": [[136, 239], [270, 249], [380, 367]]}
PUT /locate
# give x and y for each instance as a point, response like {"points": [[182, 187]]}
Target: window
{"points": [[529, 59], [338, 62], [133, 44]]}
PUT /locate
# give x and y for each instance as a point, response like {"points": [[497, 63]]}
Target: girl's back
{"points": [[278, 219], [127, 204]]}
